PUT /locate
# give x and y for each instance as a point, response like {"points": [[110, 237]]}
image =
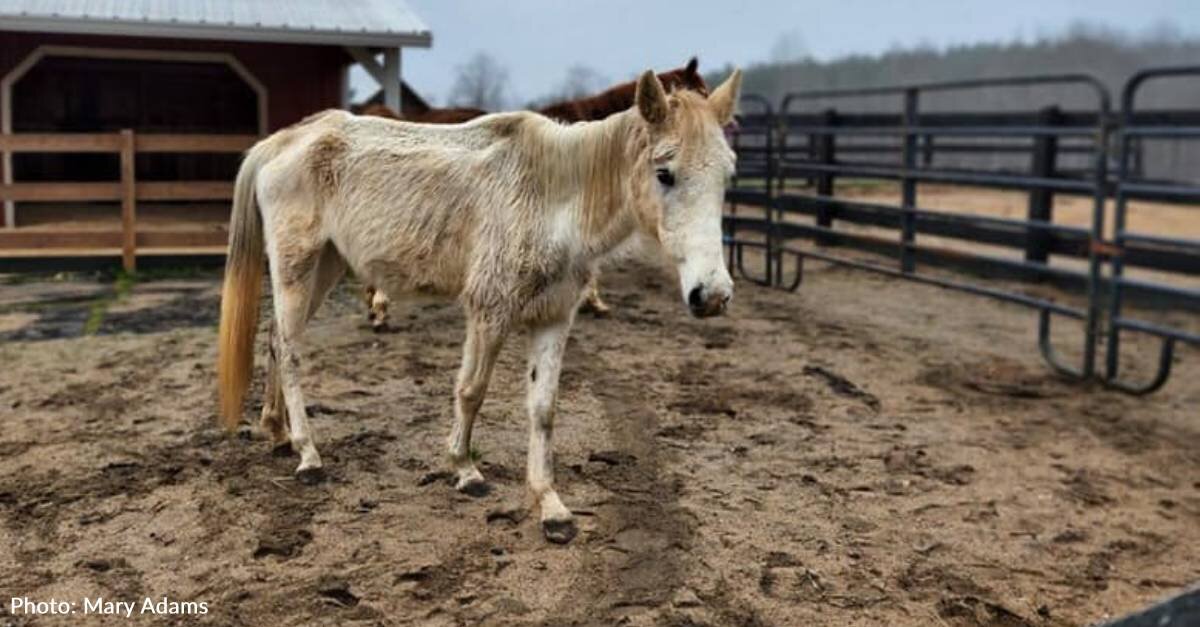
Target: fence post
{"points": [[10, 208], [927, 151], [1138, 164], [1041, 201], [908, 185], [128, 203], [826, 144]]}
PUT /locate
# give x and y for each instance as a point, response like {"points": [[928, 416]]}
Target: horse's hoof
{"points": [[559, 531], [596, 308], [311, 476], [475, 487], [283, 449]]}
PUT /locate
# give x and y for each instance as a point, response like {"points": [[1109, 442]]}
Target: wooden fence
{"points": [[127, 190]]}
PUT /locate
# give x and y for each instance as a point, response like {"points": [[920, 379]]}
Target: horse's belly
{"points": [[397, 268], [398, 275], [405, 247]]}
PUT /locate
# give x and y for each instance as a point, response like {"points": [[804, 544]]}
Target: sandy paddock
{"points": [[862, 452]]}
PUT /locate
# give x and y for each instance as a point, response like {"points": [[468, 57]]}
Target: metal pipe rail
{"points": [[789, 145], [1130, 130], [909, 174]]}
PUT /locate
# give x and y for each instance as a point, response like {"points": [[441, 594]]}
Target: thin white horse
{"points": [[508, 212]]}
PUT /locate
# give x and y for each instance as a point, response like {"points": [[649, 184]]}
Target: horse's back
{"points": [[403, 202]]}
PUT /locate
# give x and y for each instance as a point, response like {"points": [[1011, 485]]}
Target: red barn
{"points": [[121, 122]]}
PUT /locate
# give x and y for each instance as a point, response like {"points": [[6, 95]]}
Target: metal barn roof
{"points": [[373, 23]]}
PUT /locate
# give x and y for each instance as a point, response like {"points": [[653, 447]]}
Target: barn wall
{"points": [[299, 79]]}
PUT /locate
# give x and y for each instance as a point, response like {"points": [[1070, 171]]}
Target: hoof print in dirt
{"points": [[559, 531], [98, 565], [511, 516], [437, 476], [284, 544], [611, 458], [311, 476], [337, 593]]}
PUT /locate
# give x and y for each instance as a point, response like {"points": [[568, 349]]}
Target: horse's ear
{"points": [[724, 99], [693, 64], [650, 98]]}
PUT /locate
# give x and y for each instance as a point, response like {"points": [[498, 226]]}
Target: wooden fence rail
{"points": [[127, 190]]}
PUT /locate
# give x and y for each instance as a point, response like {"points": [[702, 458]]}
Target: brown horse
{"points": [[590, 108]]}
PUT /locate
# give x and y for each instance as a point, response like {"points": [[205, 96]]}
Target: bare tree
{"points": [[581, 81], [1108, 54], [788, 47], [481, 82]]}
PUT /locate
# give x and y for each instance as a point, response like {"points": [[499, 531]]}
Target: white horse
{"points": [[508, 212]]}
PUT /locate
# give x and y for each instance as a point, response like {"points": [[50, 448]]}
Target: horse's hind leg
{"points": [[330, 269], [294, 281], [479, 355], [274, 413]]}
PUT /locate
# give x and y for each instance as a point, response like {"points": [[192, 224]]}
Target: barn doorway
{"points": [[80, 93]]}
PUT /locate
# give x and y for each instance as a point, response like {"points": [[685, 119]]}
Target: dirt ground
{"points": [[862, 452]]}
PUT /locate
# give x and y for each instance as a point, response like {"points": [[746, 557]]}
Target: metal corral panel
{"points": [[383, 23]]}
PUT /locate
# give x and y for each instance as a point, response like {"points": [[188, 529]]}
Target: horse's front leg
{"points": [[545, 362], [479, 355]]}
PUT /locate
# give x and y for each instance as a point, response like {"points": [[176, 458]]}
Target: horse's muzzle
{"points": [[706, 304]]}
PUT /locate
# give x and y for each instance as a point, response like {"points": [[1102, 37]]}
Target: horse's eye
{"points": [[665, 177]]}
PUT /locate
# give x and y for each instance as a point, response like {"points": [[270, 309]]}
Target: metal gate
{"points": [[790, 159]]}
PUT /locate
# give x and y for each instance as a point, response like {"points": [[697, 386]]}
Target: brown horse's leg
{"points": [[377, 307], [379, 310], [592, 303]]}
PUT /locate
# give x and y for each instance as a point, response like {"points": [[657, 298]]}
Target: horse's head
{"points": [[689, 165], [686, 77]]}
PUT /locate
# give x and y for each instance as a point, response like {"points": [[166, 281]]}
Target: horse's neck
{"points": [[595, 107], [606, 164]]}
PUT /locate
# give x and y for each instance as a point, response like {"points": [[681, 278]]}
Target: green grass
{"points": [[123, 284]]}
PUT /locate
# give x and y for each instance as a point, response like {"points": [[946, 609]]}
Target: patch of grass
{"points": [[476, 454], [123, 284], [96, 315]]}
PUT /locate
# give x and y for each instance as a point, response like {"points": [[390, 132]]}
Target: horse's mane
{"points": [[597, 107]]}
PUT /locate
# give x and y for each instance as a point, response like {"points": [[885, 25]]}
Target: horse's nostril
{"points": [[696, 297]]}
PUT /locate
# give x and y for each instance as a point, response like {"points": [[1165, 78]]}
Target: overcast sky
{"points": [[537, 40]]}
